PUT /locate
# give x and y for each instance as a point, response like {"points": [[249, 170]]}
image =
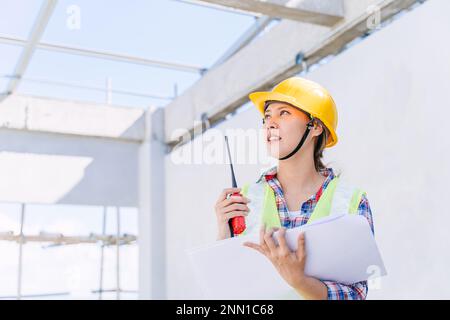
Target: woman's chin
{"points": [[273, 149]]}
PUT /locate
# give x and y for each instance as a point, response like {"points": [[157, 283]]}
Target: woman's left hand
{"points": [[289, 264]]}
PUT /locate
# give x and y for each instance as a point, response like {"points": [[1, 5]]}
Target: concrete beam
{"points": [[74, 118], [268, 60], [118, 57], [36, 34], [326, 13]]}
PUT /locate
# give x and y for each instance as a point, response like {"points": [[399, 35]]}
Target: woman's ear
{"points": [[317, 129]]}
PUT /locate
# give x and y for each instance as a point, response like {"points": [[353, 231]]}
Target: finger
{"points": [[233, 214], [262, 232], [284, 249], [269, 241], [226, 192], [234, 199], [236, 207], [254, 246], [301, 245]]}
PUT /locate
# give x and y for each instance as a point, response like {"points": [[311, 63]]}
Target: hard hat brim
{"points": [[260, 98]]}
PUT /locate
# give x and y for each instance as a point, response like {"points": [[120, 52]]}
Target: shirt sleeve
{"points": [[355, 291]]}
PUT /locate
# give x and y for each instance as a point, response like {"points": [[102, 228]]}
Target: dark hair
{"points": [[321, 140]]}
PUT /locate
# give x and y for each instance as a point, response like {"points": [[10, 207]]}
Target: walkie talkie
{"points": [[237, 224]]}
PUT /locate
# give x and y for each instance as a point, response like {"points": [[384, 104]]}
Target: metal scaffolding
{"points": [[53, 240]]}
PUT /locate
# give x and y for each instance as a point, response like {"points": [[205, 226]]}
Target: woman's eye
{"points": [[267, 116], [284, 111]]}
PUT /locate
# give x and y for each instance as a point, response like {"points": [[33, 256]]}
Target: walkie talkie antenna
{"points": [[233, 182], [233, 178]]}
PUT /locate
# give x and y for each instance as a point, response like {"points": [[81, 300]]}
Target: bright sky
{"points": [[165, 30]]}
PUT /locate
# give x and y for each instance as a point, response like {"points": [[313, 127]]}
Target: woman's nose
{"points": [[271, 123]]}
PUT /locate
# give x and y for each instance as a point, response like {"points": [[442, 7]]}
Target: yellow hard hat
{"points": [[306, 95]]}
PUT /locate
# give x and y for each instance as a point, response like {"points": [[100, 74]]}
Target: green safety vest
{"points": [[337, 198]]}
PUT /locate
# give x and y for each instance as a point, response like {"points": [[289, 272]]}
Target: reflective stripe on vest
{"points": [[337, 198]]}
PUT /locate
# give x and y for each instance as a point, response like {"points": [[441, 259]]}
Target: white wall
{"points": [[392, 93]]}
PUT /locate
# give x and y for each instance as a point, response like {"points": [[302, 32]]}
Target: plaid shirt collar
{"points": [[270, 175]]}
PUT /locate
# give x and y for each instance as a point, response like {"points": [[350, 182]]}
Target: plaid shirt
{"points": [[336, 291]]}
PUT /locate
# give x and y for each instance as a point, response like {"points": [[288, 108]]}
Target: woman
{"points": [[300, 119]]}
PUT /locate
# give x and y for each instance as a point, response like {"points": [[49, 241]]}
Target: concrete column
{"points": [[152, 226]]}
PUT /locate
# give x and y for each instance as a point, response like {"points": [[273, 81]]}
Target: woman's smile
{"points": [[272, 137]]}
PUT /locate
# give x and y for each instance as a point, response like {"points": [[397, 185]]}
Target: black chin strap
{"points": [[309, 126]]}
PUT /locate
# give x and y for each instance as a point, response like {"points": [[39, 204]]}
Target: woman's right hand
{"points": [[227, 208]]}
